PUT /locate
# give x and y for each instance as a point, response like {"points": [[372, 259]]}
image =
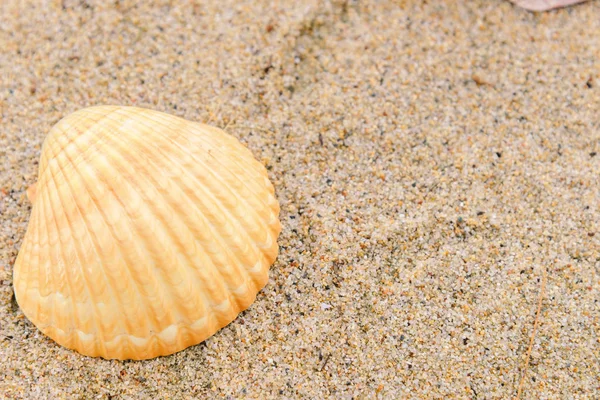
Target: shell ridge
{"points": [[264, 248], [94, 240], [20, 263], [94, 300], [250, 179], [258, 220], [59, 128], [165, 118], [229, 216], [235, 151], [93, 237], [114, 290], [191, 176], [241, 265], [197, 131], [50, 275], [141, 164], [177, 301], [72, 297], [228, 180], [64, 275]]}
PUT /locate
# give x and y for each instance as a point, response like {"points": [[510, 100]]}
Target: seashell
{"points": [[148, 233], [545, 5]]}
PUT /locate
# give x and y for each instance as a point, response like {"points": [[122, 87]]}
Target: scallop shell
{"points": [[148, 233]]}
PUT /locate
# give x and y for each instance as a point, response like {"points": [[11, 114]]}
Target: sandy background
{"points": [[437, 167]]}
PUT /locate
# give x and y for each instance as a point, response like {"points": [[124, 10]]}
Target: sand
{"points": [[437, 167]]}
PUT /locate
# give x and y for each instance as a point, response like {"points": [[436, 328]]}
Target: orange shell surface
{"points": [[148, 233]]}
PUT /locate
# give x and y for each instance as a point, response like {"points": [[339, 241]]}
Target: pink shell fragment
{"points": [[544, 5]]}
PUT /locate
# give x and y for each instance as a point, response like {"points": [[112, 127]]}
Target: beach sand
{"points": [[438, 172]]}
